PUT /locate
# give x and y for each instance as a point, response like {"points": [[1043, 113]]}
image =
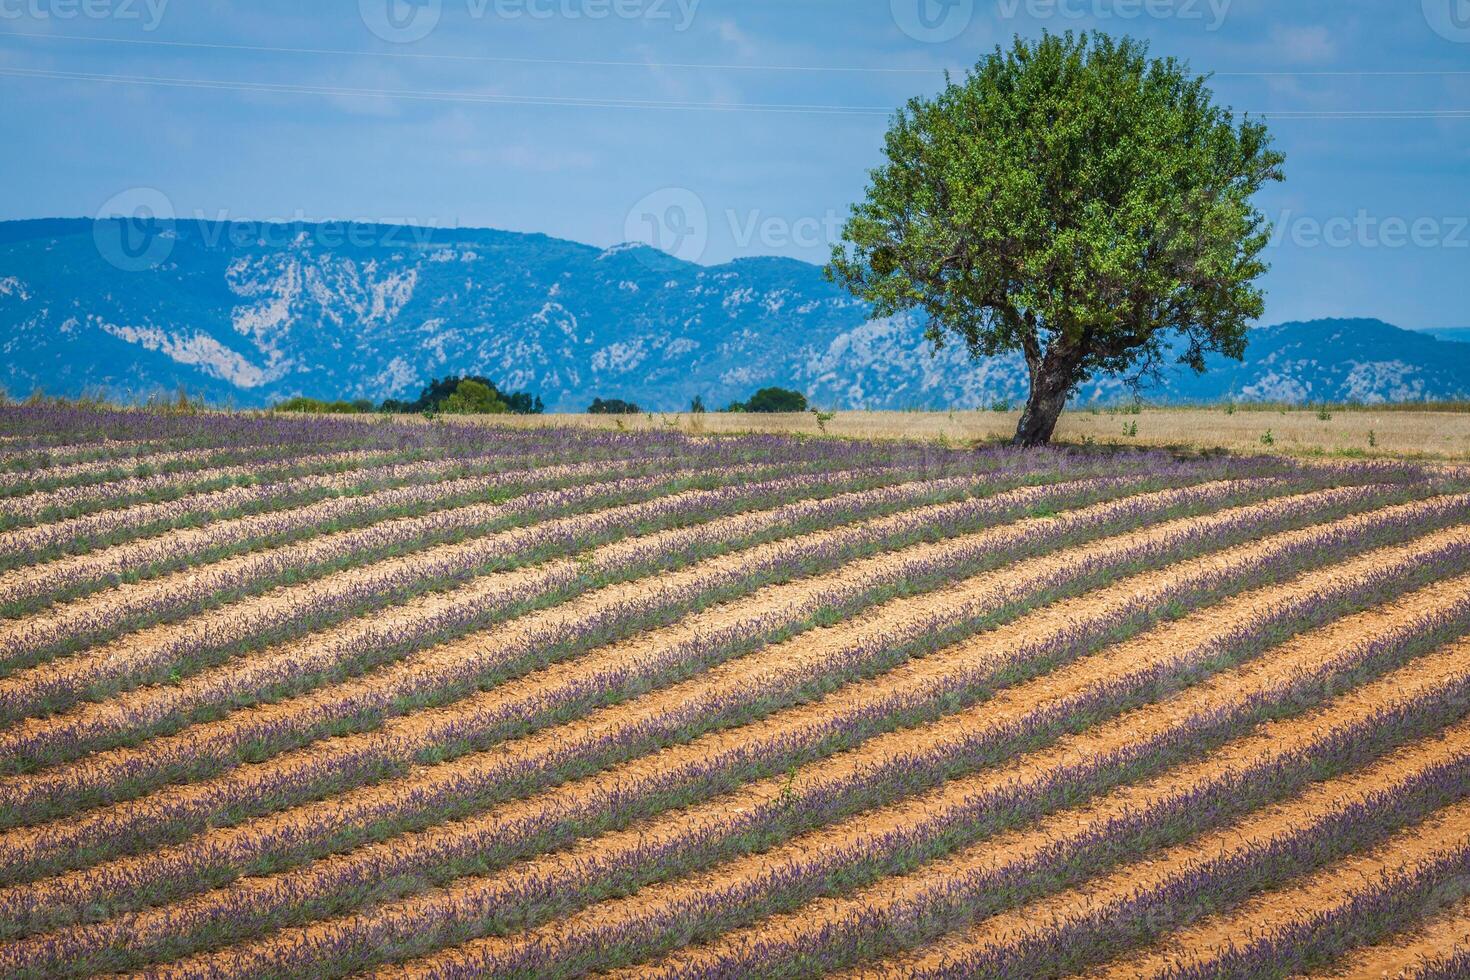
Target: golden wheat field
{"points": [[1387, 431], [326, 697]]}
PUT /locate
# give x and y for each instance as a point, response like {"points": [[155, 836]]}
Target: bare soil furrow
{"points": [[28, 508], [1331, 889], [288, 694], [431, 779], [96, 470], [1296, 816], [138, 656], [323, 648], [81, 618], [1404, 956], [117, 566], [499, 816], [582, 866], [17, 544], [1005, 707]]}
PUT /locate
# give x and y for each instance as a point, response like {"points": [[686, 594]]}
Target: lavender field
{"points": [[334, 696]]}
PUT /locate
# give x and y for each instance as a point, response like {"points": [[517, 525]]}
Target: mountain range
{"points": [[250, 313]]}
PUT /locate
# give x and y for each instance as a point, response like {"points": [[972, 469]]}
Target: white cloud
{"points": [[1303, 45]]}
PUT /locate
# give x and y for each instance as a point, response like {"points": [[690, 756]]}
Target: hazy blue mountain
{"points": [[1458, 334], [249, 314]]}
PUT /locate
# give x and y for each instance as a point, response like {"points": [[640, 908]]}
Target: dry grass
{"points": [[1387, 432]]}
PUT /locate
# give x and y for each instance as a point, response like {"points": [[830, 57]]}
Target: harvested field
{"points": [[328, 697], [1427, 430]]}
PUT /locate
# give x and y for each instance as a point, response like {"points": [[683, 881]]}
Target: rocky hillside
{"points": [[250, 313]]}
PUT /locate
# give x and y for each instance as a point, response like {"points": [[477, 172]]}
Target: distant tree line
{"points": [[469, 395], [454, 395], [771, 400], [478, 395], [765, 400], [612, 406]]}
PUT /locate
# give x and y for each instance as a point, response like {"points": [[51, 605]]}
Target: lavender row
{"points": [[780, 888], [277, 464], [39, 426], [454, 917], [477, 552], [456, 795], [75, 536], [14, 483], [376, 643], [873, 931], [150, 558], [1452, 965], [320, 555], [1396, 901], [52, 505], [1209, 886], [16, 459], [177, 463], [414, 687], [38, 461]]}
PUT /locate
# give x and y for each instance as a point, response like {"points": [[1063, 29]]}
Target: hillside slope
{"points": [[251, 313]]}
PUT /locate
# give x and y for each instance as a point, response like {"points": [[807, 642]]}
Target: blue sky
{"points": [[603, 120]]}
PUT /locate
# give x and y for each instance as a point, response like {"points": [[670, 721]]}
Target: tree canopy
{"points": [[471, 397], [776, 400], [612, 406], [1076, 201], [439, 396]]}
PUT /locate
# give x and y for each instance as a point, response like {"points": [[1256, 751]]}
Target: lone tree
{"points": [[1074, 200]]}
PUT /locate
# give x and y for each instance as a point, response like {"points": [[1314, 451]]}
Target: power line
{"points": [[695, 66], [433, 96], [492, 59], [476, 98], [1365, 114]]}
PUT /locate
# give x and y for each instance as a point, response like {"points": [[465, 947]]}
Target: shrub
{"points": [[612, 406], [471, 397], [436, 394], [776, 400], [316, 406]]}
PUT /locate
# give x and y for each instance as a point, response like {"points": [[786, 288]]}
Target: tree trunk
{"points": [[1050, 387]]}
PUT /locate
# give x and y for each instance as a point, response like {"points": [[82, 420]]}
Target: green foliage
{"points": [[473, 397], [613, 406], [1074, 200], [696, 407], [776, 400], [316, 406], [435, 396], [1267, 439]]}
